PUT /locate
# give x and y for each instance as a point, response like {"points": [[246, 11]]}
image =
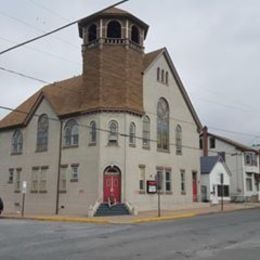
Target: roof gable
{"points": [[237, 145], [207, 164], [151, 58]]}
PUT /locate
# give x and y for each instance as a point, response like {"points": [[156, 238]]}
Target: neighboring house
{"points": [[242, 161], [212, 168], [107, 132]]}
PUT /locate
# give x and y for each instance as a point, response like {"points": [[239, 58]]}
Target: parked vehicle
{"points": [[1, 205]]}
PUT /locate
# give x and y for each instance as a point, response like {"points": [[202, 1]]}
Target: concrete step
{"points": [[116, 210]]}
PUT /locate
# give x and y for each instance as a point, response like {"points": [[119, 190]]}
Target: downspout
{"points": [[58, 171]]}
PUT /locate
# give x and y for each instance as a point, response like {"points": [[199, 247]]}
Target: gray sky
{"points": [[214, 45]]}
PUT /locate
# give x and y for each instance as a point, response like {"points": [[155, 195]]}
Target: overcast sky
{"points": [[214, 44]]}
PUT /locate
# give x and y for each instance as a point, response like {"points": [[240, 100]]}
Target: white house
{"points": [[242, 161], [215, 179], [107, 132]]}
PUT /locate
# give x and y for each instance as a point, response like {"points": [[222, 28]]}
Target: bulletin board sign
{"points": [[151, 187]]}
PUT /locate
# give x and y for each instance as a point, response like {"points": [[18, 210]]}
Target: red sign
{"points": [[151, 187]]}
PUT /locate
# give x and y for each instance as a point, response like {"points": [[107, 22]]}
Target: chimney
{"points": [[205, 141]]}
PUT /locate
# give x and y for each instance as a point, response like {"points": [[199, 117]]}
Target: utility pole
{"points": [[159, 187], [58, 170], [222, 191]]}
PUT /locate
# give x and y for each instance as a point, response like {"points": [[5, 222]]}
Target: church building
{"points": [[106, 136]]}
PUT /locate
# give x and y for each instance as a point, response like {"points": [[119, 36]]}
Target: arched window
{"points": [[114, 30], [166, 77], [158, 73], [92, 33], [163, 125], [135, 35], [42, 133], [162, 76], [113, 132], [178, 141], [132, 133], [146, 132], [93, 132], [17, 142], [71, 133]]}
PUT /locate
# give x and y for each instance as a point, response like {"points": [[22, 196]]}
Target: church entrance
{"points": [[112, 184]]}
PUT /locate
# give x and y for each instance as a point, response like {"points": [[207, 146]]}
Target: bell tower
{"points": [[113, 53]]}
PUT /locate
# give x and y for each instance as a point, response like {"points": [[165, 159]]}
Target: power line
{"points": [[49, 10], [36, 29], [123, 135], [232, 132], [147, 112], [43, 51], [57, 29], [23, 75]]}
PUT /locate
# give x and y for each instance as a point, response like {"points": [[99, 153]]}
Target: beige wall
{"points": [[93, 160]]}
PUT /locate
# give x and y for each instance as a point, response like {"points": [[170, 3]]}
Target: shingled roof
{"points": [[65, 97], [111, 12]]}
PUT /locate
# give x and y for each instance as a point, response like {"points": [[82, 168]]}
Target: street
{"points": [[234, 235]]}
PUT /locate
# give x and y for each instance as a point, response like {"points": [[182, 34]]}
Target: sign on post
{"points": [[151, 187], [24, 187]]}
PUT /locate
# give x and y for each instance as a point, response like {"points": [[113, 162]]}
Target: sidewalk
{"points": [[142, 217]]}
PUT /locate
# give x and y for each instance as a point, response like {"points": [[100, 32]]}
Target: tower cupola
{"points": [[113, 52]]}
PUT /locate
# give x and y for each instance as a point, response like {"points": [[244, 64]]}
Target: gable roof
{"points": [[64, 97], [238, 146], [151, 58], [207, 163], [67, 97]]}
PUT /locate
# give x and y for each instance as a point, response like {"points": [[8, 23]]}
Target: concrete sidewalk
{"points": [[142, 217]]}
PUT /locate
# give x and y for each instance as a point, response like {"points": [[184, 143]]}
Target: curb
{"points": [[60, 219], [104, 220], [165, 218]]}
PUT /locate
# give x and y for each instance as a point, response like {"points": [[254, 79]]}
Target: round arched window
{"points": [[114, 29], [163, 125]]}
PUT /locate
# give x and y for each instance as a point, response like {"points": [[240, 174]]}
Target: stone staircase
{"points": [[116, 210]]}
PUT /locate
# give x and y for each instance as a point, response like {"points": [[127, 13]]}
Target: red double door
{"points": [[112, 185]]}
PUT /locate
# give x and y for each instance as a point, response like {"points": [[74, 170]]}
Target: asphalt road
{"points": [[229, 236]]}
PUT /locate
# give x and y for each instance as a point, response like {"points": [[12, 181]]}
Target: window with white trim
{"points": [[43, 180], [11, 176], [39, 179], [249, 182], [17, 142], [183, 183], [146, 132], [113, 132], [178, 135], [93, 133], [142, 178], [42, 133], [63, 179], [132, 134], [74, 173], [163, 125], [168, 181], [17, 183], [71, 133]]}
